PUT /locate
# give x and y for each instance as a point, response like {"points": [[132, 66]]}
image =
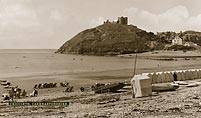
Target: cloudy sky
{"points": [[49, 23]]}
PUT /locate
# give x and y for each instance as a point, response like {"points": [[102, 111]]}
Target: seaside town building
{"points": [[190, 44], [177, 41]]}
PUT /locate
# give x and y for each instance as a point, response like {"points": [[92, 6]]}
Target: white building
{"points": [[190, 44], [177, 41]]}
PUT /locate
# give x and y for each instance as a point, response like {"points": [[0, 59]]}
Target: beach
{"points": [[25, 68]]}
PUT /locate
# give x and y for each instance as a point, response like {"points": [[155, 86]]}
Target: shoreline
{"points": [[84, 71]]}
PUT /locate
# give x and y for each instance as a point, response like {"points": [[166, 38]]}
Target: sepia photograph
{"points": [[100, 59]]}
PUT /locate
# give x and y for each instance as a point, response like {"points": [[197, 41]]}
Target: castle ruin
{"points": [[121, 20]]}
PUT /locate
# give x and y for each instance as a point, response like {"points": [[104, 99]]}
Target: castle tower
{"points": [[123, 20]]}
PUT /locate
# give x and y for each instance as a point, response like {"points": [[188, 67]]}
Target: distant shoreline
{"points": [[27, 50]]}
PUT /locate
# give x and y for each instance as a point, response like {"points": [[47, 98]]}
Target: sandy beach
{"points": [[25, 68]]}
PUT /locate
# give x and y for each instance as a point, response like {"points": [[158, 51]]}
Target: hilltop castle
{"points": [[121, 20]]}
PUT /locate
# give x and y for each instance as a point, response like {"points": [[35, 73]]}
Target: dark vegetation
{"points": [[181, 47]]}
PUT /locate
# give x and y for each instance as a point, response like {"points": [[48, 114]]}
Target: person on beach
{"points": [[24, 93], [34, 93], [82, 89], [174, 77], [11, 93]]}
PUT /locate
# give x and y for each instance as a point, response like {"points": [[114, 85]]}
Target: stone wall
{"points": [[167, 76]]}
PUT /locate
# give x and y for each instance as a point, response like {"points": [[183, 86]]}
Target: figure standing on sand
{"points": [[174, 77], [34, 93], [24, 93], [11, 93]]}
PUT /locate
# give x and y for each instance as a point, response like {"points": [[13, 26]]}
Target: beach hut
{"points": [[141, 86], [154, 78]]}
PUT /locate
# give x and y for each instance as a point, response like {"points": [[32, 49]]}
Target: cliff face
{"points": [[110, 39]]}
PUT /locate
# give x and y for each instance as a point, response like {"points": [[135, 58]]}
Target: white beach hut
{"points": [[141, 86]]}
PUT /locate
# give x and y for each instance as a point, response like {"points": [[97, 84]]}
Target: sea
{"points": [[32, 62]]}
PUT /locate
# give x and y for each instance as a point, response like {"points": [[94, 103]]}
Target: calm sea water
{"points": [[14, 63], [29, 63], [27, 51]]}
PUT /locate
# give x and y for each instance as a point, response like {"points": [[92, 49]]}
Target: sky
{"points": [[47, 24]]}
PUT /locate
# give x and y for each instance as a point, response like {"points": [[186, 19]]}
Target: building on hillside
{"points": [[177, 41], [190, 44], [121, 20]]}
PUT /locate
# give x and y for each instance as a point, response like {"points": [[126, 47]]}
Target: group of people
{"points": [[15, 92], [45, 85], [50, 85], [69, 89], [64, 84]]}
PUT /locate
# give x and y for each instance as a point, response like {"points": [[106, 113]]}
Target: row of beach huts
{"points": [[144, 84], [167, 76]]}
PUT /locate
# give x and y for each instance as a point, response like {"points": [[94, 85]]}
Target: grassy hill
{"points": [[111, 39]]}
